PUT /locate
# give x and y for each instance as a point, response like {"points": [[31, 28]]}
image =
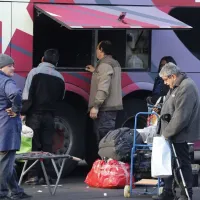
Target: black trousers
{"points": [[8, 176], [104, 123], [182, 151], [43, 127]]}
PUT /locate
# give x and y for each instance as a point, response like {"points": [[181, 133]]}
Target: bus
{"points": [[141, 31]]}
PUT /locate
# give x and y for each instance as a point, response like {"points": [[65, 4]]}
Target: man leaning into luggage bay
{"points": [[180, 117]]}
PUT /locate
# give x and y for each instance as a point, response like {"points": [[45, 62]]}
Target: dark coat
{"points": [[183, 105], [159, 89], [10, 128]]}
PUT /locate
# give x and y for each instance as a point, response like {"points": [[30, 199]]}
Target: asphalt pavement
{"points": [[74, 188]]}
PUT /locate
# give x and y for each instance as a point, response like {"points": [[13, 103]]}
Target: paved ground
{"points": [[74, 188]]}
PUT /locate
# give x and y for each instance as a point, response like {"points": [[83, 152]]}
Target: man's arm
{"points": [[14, 94], [62, 90], [62, 87], [27, 86], [26, 92], [104, 76], [184, 105]]}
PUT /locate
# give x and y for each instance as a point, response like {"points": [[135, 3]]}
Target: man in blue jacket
{"points": [[10, 130]]}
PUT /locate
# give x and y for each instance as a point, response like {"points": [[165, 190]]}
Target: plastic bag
{"points": [[26, 131], [110, 174], [152, 120], [148, 133], [161, 166], [26, 140]]}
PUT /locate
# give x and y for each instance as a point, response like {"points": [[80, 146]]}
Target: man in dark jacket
{"points": [[180, 117], [10, 128], [44, 88]]}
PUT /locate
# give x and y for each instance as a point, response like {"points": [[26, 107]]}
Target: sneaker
{"points": [[32, 181], [20, 196], [166, 195]]}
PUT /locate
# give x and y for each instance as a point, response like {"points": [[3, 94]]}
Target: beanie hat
{"points": [[5, 60]]}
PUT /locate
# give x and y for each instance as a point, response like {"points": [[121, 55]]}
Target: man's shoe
{"points": [[19, 196], [42, 181], [184, 197], [166, 195], [32, 181]]}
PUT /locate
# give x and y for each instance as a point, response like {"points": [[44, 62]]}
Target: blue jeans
{"points": [[8, 176]]}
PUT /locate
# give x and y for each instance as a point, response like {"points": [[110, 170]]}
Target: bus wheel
{"points": [[69, 136], [91, 144], [126, 117]]}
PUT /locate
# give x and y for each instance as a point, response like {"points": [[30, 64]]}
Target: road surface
{"points": [[74, 188]]}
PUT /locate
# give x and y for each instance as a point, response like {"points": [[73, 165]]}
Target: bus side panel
{"points": [[5, 27], [166, 43], [0, 37], [22, 37]]}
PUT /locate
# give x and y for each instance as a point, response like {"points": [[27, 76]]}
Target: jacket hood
{"points": [[46, 64]]}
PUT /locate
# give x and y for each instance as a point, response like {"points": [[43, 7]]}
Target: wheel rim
{"points": [[62, 140], [130, 122]]}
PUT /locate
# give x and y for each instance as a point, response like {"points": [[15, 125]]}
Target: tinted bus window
{"points": [[190, 38]]}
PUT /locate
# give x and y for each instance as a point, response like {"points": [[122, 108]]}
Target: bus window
{"points": [[74, 46], [131, 47], [118, 39], [137, 49], [190, 38]]}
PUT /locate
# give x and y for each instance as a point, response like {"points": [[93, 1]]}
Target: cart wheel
{"points": [[127, 191]]}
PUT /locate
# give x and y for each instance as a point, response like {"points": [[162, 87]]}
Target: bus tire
{"points": [[69, 136], [91, 144]]}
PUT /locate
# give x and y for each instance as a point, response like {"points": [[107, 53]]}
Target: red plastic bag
{"points": [[110, 174]]}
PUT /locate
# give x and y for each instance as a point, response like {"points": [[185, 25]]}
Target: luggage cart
{"points": [[145, 182]]}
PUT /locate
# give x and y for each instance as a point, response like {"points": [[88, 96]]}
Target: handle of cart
{"points": [[136, 146]]}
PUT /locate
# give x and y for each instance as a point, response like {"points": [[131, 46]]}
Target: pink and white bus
{"points": [[149, 30]]}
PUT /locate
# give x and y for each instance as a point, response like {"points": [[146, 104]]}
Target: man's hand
{"points": [[93, 113], [157, 110], [22, 117], [90, 68], [11, 113], [166, 138]]}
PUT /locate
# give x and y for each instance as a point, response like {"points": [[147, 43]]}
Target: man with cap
{"points": [[10, 130]]}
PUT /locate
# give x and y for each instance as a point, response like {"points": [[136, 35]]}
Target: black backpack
{"points": [[117, 144]]}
